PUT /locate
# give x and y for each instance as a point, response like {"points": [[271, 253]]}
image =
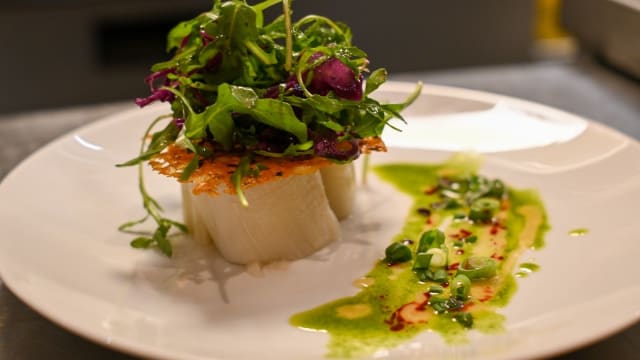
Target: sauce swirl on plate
{"points": [[448, 269]]}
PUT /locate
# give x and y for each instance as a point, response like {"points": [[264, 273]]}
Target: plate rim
{"points": [[122, 344]]}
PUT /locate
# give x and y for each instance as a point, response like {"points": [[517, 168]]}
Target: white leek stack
{"points": [[339, 182], [287, 219]]}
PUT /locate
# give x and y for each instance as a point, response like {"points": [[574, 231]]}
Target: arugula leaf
{"points": [[159, 141], [271, 112], [190, 168], [236, 178], [377, 78], [180, 32], [164, 225], [279, 115]]}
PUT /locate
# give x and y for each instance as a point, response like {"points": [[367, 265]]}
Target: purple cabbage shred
{"points": [[179, 122], [334, 75], [157, 93], [328, 146]]}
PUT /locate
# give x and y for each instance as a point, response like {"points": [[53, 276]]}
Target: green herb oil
{"points": [[394, 306]]}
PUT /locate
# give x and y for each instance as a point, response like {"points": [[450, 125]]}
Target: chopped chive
{"points": [[460, 287], [438, 304], [454, 304], [471, 239], [439, 257], [465, 319], [440, 276], [397, 253], [477, 267], [422, 261], [430, 239], [443, 305], [497, 189], [436, 289], [424, 274], [483, 209], [451, 204]]}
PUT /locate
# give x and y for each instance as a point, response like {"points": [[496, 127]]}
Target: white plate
{"points": [[61, 254]]}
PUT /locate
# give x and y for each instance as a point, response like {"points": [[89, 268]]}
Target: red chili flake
{"points": [[397, 322], [454, 266], [423, 305], [462, 234], [488, 293], [459, 251], [466, 306], [431, 190], [496, 256]]}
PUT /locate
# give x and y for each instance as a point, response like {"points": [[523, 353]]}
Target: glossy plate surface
{"points": [[61, 253]]}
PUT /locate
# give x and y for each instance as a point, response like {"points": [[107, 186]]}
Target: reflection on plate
{"points": [[60, 251], [500, 128]]}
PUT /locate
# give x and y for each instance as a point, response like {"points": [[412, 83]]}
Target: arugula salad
{"points": [[254, 101]]}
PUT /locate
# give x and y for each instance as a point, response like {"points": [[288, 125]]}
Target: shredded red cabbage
{"points": [[179, 122], [334, 75], [155, 81], [331, 75], [161, 94], [329, 146]]}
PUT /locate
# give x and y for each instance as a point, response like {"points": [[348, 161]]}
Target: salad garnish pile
{"points": [[251, 93]]}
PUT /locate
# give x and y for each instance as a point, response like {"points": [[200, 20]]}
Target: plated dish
{"points": [[77, 270]]}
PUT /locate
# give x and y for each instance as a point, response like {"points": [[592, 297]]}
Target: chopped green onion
{"points": [[477, 267], [397, 253], [465, 319], [453, 186], [483, 209], [443, 305], [460, 287], [440, 276], [422, 261], [451, 204], [439, 257], [436, 289], [459, 216], [430, 239], [438, 304], [458, 244], [447, 204], [497, 189], [471, 239]]}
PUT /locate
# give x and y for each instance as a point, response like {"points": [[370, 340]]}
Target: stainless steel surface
{"points": [[581, 87], [609, 28]]}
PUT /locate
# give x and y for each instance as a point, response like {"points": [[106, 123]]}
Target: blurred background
{"points": [[57, 53]]}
